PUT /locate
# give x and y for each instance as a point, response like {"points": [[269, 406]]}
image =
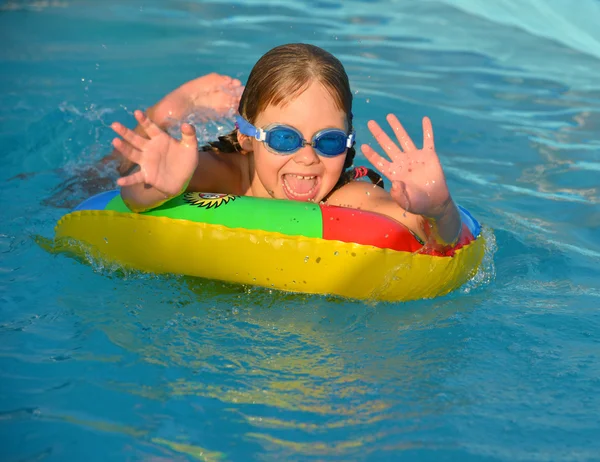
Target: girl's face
{"points": [[303, 175]]}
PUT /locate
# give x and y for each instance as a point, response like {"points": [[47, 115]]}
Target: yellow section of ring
{"points": [[267, 259]]}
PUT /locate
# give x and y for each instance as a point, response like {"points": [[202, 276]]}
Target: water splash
{"points": [[486, 272]]}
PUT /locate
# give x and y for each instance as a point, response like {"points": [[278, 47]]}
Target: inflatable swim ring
{"points": [[286, 245]]}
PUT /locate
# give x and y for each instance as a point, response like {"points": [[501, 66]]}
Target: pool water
{"points": [[99, 363]]}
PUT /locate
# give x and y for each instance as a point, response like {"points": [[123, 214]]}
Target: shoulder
{"points": [[226, 159], [219, 172], [359, 195], [366, 196]]}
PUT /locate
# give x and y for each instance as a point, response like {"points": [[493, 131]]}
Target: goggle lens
{"points": [[331, 144], [283, 140]]}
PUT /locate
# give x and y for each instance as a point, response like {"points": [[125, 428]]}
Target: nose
{"points": [[306, 155]]}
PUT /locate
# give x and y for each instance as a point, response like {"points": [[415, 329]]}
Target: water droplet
{"points": [[336, 253], [386, 236], [306, 259], [368, 193], [368, 100], [106, 240]]}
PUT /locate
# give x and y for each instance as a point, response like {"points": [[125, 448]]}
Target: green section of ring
{"points": [[273, 215]]}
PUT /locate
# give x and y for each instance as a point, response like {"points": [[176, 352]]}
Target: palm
{"points": [[165, 163], [418, 181]]}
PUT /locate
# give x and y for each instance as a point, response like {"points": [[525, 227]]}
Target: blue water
{"points": [[101, 364]]}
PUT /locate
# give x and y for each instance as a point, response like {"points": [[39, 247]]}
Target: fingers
{"points": [[128, 135], [218, 83], [127, 150], [229, 83], [378, 162], [149, 127], [403, 138], [428, 142], [188, 136], [384, 141], [237, 91], [134, 178]]}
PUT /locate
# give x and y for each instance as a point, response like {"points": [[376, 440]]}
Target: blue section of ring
{"points": [[97, 202], [470, 221]]}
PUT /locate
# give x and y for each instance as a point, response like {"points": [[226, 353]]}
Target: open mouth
{"points": [[300, 187]]}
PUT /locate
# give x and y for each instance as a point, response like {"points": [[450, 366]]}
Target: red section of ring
{"points": [[370, 228], [366, 228]]}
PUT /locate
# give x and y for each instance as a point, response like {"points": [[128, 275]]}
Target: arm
{"points": [[443, 230]]}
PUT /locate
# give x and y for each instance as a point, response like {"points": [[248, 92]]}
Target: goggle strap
{"points": [[350, 140], [246, 128]]}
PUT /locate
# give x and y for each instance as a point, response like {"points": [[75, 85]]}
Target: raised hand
{"points": [[417, 178], [211, 96], [165, 163], [220, 93]]}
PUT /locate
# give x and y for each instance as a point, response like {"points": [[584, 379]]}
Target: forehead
{"points": [[313, 106]]}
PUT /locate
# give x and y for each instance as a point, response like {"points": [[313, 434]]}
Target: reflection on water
{"points": [[284, 364]]}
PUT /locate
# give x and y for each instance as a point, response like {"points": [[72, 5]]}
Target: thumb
{"points": [[400, 194], [188, 136]]}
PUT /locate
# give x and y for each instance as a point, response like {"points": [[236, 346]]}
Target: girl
{"points": [[293, 140]]}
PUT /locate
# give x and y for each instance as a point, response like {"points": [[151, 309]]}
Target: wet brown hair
{"points": [[282, 74]]}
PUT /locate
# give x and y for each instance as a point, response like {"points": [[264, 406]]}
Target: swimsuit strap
{"points": [[359, 172]]}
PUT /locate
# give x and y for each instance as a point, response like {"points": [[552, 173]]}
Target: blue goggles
{"points": [[284, 139]]}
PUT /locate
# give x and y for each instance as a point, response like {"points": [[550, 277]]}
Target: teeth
{"points": [[304, 177]]}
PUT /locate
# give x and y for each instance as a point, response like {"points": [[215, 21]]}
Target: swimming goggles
{"points": [[284, 139]]}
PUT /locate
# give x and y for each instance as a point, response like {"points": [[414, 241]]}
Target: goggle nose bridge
{"points": [[261, 135]]}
